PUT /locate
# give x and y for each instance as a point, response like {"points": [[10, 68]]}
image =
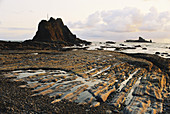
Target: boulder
{"points": [[157, 53], [110, 42], [144, 48], [138, 46]]}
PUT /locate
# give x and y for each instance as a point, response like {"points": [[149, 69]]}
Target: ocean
{"points": [[161, 49]]}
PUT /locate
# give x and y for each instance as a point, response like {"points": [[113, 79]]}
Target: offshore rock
{"points": [[139, 40]]}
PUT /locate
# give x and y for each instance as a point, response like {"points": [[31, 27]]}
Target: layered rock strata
{"points": [[91, 77]]}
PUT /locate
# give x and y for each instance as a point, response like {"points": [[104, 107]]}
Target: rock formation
{"points": [[139, 40], [55, 31]]}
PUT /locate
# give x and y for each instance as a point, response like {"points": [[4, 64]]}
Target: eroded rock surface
{"points": [[92, 77]]}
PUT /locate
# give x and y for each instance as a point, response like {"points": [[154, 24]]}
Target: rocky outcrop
{"points": [[55, 31], [139, 40]]}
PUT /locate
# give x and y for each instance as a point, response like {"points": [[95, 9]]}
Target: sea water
{"points": [[150, 48]]}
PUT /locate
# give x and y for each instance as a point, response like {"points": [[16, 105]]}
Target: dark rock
{"points": [[123, 48], [1, 41], [144, 48], [110, 42], [157, 53], [164, 53], [138, 46], [118, 49], [122, 44], [130, 48], [70, 49], [99, 48], [55, 31], [139, 40], [107, 47]]}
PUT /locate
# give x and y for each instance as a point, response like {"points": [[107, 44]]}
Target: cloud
{"points": [[127, 21], [167, 28], [1, 2], [124, 20], [154, 21], [92, 21]]}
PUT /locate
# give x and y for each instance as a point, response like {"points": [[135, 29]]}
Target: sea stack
{"points": [[54, 30]]}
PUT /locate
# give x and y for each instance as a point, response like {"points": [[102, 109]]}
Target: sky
{"points": [[92, 20]]}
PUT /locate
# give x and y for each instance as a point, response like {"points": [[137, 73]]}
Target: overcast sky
{"points": [[95, 20]]}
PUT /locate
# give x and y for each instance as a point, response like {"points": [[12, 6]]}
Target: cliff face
{"points": [[55, 31]]}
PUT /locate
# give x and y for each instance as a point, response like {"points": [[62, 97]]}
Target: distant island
{"points": [[139, 40]]}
